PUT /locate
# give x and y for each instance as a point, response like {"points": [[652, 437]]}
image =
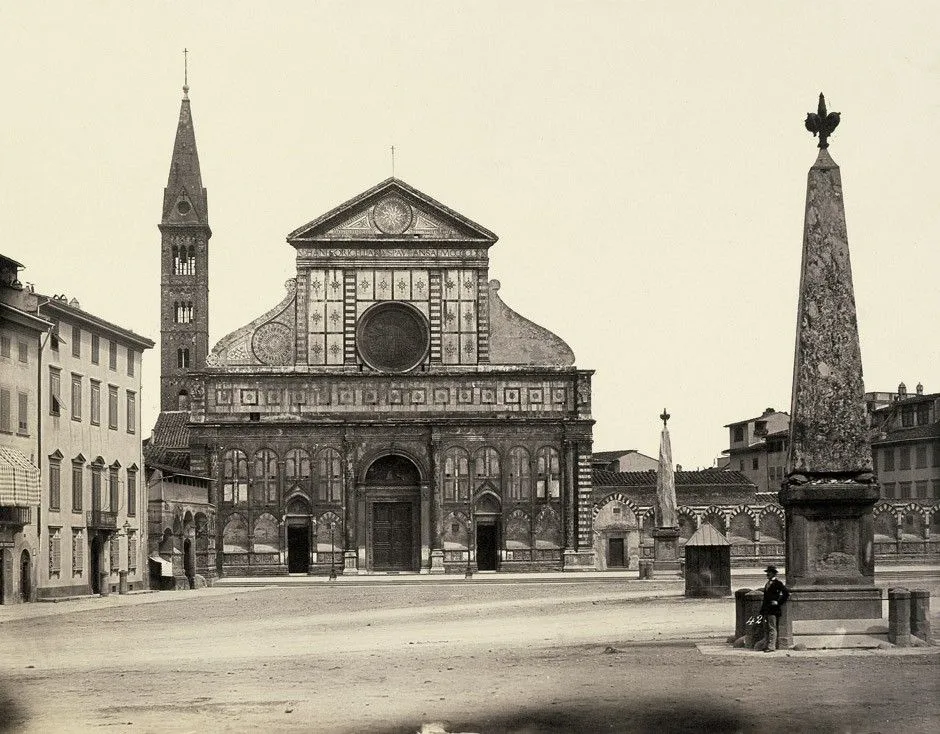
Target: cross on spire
{"points": [[664, 417], [185, 73]]}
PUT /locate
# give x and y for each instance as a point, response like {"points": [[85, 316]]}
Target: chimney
{"points": [[902, 390], [768, 411], [920, 388]]}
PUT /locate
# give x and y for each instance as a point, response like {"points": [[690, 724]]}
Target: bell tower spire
{"points": [[185, 233]]}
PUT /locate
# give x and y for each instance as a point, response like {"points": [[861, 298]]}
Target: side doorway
{"points": [[616, 558], [298, 546], [26, 577], [95, 564], [487, 543]]}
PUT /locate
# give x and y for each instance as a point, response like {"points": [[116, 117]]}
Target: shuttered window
{"points": [[55, 551], [131, 551], [78, 552], [55, 483], [22, 422], [5, 410]]}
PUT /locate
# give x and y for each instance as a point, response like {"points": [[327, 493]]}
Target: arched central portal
{"points": [[393, 513]]}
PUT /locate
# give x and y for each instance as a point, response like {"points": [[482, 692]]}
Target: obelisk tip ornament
{"points": [[822, 123]]}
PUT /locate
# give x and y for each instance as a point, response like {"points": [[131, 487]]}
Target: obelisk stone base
{"points": [[830, 557], [665, 550]]}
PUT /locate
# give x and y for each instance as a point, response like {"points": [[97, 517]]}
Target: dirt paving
{"points": [[579, 657]]}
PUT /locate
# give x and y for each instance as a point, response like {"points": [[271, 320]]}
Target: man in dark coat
{"points": [[775, 596]]}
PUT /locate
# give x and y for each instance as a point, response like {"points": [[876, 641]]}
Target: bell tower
{"points": [[184, 267]]}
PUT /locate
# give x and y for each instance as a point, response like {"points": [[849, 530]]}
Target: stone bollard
{"points": [[122, 582], [739, 614], [920, 614], [752, 603], [899, 617]]}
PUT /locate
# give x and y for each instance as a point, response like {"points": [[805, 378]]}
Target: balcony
{"points": [[15, 515], [102, 520]]}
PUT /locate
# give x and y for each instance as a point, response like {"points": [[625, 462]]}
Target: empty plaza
{"points": [[484, 655]]}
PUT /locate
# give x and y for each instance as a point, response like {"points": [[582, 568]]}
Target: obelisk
{"points": [[666, 533], [830, 487]]}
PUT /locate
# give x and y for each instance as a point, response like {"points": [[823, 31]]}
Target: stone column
{"points": [[437, 507], [350, 555], [570, 458]]}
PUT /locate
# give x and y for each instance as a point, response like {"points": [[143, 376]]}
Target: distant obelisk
{"points": [[830, 487], [666, 533]]}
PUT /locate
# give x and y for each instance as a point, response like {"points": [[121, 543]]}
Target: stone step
{"points": [[840, 627], [840, 642]]}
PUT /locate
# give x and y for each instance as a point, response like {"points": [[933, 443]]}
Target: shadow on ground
{"points": [[634, 716], [12, 714]]}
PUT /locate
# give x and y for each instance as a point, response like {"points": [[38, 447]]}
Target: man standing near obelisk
{"points": [[830, 488]]}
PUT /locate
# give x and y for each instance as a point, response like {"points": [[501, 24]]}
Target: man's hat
{"points": [[771, 569]]}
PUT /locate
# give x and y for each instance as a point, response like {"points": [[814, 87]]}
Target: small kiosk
{"points": [[707, 563]]}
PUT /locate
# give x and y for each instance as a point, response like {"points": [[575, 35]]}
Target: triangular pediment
{"points": [[392, 210], [181, 208]]}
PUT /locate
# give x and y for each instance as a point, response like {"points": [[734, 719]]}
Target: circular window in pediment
{"points": [[183, 207], [393, 337]]}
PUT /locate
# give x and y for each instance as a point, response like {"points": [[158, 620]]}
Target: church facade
{"points": [[389, 414]]}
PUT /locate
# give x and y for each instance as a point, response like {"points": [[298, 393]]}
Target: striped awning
{"points": [[19, 479], [166, 567]]}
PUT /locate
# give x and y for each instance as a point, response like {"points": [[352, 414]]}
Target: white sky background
{"points": [[644, 165]]}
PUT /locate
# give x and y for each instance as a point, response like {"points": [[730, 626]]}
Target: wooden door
{"points": [[615, 558], [392, 536]]}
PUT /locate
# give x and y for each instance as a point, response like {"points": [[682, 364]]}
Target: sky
{"points": [[643, 164]]}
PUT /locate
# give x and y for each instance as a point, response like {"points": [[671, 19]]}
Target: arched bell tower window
{"points": [[183, 312], [184, 260], [182, 400], [182, 358]]}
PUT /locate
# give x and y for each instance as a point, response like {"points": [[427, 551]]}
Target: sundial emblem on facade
{"points": [[393, 337], [392, 215], [272, 343]]}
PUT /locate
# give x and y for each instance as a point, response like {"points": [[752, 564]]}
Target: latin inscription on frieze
{"points": [[393, 253]]}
